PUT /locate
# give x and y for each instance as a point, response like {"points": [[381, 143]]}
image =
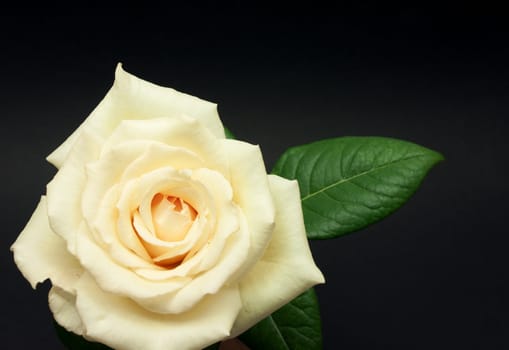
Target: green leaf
{"points": [[75, 342], [228, 133], [295, 326], [349, 183]]}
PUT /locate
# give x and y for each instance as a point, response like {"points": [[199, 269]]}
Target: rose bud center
{"points": [[172, 217]]}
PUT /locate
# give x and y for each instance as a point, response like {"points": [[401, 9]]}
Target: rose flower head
{"points": [[157, 232]]}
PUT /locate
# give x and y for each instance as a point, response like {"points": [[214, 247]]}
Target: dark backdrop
{"points": [[433, 275]]}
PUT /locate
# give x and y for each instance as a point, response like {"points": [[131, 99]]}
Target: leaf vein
{"points": [[278, 331], [339, 182], [378, 193]]}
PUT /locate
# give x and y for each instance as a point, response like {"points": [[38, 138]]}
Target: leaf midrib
{"points": [[279, 332], [339, 182]]}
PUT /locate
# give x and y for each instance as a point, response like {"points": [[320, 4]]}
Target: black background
{"points": [[433, 275]]}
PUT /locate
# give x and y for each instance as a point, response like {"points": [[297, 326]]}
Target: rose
{"points": [[159, 233]]}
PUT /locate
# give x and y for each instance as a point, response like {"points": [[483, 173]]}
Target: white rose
{"points": [[159, 233]]}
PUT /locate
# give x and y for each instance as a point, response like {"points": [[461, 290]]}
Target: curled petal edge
{"points": [[286, 262], [40, 254]]}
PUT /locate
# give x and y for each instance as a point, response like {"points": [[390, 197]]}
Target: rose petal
{"points": [[182, 132], [209, 282], [63, 307], [171, 224], [287, 261], [134, 98], [119, 279], [160, 155], [138, 194], [104, 173], [216, 263], [228, 219], [40, 254], [225, 213], [65, 189], [161, 250], [222, 273], [104, 231], [127, 161], [134, 328], [251, 193]]}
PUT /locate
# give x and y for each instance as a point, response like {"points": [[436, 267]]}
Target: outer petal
{"points": [[63, 306], [134, 98], [286, 269], [41, 254], [123, 325], [252, 194], [65, 189]]}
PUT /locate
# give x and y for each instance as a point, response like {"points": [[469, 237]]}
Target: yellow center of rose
{"points": [[172, 217]]}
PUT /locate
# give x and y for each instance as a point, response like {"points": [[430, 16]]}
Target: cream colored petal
{"points": [[65, 189], [286, 269], [170, 224], [209, 282], [133, 98], [160, 249], [119, 279], [126, 161], [215, 263], [116, 173], [194, 265], [123, 325], [170, 291], [41, 254], [159, 155], [181, 132], [105, 172], [139, 194], [251, 193], [227, 216], [105, 231], [225, 211], [63, 307]]}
